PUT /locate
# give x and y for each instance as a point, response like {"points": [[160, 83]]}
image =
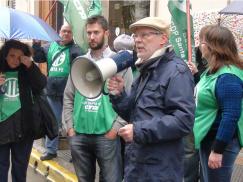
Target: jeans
{"points": [[191, 159], [86, 149], [20, 154], [224, 173], [56, 103]]}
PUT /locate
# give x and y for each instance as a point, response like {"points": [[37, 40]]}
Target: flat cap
{"points": [[156, 23]]}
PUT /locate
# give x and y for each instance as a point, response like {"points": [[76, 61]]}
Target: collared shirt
{"points": [[105, 54]]}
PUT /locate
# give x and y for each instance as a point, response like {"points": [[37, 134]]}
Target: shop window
{"points": [[124, 13]]}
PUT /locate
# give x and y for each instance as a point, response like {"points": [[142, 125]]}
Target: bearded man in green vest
{"points": [[92, 124], [58, 56]]}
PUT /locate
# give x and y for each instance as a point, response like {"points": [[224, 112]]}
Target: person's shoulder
{"points": [[229, 78], [76, 49], [75, 45], [175, 63], [181, 66], [108, 52], [228, 83]]}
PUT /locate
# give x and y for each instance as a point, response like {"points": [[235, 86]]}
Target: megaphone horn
{"points": [[89, 76]]}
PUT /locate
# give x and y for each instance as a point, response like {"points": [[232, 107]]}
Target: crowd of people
{"points": [[178, 121]]}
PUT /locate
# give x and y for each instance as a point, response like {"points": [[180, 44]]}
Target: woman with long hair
{"points": [[20, 79], [218, 123]]}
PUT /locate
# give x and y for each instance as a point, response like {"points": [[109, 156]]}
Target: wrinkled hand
{"points": [[215, 160], [27, 61], [126, 132], [192, 67], [115, 85], [70, 132], [111, 134]]}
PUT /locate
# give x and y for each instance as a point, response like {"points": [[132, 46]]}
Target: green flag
{"points": [[76, 12], [178, 37]]}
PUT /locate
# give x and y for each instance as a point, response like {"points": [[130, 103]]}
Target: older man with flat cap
{"points": [[159, 108]]}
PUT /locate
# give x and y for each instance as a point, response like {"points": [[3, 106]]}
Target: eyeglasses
{"points": [[145, 35]]}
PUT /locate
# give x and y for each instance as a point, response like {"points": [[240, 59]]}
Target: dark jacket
{"points": [[18, 126], [55, 85], [161, 109]]}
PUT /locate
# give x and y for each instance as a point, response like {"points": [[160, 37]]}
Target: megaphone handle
{"points": [[103, 89]]}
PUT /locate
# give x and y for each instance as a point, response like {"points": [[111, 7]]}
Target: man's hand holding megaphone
{"points": [[115, 85]]}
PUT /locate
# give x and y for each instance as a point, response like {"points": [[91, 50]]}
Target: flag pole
{"points": [[189, 41], [50, 10]]}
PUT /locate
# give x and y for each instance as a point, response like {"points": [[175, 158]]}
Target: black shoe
{"points": [[47, 156]]}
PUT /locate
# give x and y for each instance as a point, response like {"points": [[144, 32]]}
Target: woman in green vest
{"points": [[218, 127], [19, 79]]}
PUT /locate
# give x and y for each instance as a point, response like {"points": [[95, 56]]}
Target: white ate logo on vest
{"points": [[92, 105], [11, 87], [59, 60]]}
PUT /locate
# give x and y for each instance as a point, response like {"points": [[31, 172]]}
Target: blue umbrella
{"points": [[16, 24]]}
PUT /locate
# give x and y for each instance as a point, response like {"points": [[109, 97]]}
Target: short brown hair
{"points": [[98, 19]]}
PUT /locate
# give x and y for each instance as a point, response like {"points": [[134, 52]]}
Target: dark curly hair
{"points": [[12, 44]]}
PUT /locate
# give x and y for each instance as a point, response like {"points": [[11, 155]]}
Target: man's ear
{"points": [[107, 36], [107, 33], [164, 39]]}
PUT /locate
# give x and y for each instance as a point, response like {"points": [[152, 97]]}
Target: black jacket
{"points": [[19, 125]]}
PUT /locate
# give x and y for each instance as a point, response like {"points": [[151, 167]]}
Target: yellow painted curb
{"points": [[50, 169]]}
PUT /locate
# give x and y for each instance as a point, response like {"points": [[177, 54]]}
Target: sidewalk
{"points": [[61, 170], [57, 170]]}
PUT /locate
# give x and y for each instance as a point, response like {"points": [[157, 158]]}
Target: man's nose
{"points": [[137, 39], [92, 36]]}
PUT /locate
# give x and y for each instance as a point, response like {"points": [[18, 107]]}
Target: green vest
{"points": [[58, 60], [206, 104], [93, 116], [9, 101]]}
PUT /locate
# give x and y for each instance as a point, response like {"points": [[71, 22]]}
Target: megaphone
{"points": [[88, 76]]}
